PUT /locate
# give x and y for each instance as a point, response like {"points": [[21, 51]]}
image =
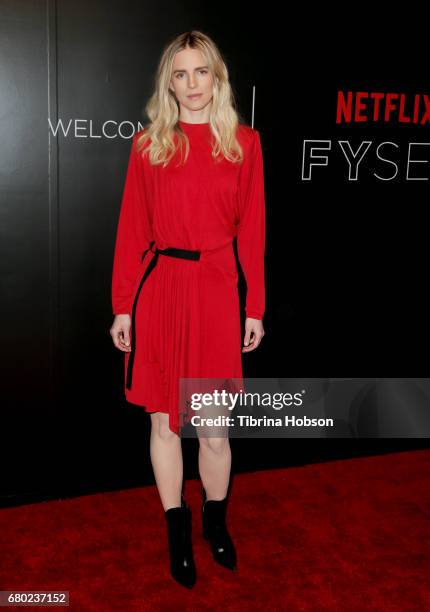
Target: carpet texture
{"points": [[351, 534]]}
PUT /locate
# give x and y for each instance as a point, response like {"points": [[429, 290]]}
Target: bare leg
{"points": [[215, 466], [214, 453], [166, 459]]}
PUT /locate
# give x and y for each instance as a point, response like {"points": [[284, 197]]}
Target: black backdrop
{"points": [[346, 261]]}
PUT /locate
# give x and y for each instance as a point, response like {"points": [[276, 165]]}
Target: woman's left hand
{"points": [[254, 333]]}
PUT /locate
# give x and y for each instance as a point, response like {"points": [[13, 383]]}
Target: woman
{"points": [[194, 182]]}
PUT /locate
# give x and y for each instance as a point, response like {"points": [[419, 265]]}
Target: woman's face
{"points": [[191, 75]]}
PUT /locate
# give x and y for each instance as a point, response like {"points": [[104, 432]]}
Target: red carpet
{"points": [[351, 534]]}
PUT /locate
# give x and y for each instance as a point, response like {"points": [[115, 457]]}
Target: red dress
{"points": [[186, 313]]}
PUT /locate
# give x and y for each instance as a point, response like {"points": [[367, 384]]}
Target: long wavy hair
{"points": [[163, 108]]}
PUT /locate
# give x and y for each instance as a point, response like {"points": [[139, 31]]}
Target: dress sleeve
{"points": [[251, 231], [134, 233]]}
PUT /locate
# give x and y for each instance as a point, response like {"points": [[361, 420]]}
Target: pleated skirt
{"points": [[187, 332]]}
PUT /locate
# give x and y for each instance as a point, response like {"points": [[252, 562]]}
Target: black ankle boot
{"points": [[182, 566], [215, 531]]}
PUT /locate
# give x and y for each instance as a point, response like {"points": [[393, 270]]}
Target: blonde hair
{"points": [[163, 108]]}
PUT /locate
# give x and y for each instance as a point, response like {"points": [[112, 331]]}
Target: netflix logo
{"points": [[376, 107]]}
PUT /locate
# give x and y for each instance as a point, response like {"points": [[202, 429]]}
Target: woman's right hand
{"points": [[120, 332]]}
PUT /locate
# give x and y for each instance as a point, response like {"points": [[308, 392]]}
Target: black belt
{"points": [[171, 252]]}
